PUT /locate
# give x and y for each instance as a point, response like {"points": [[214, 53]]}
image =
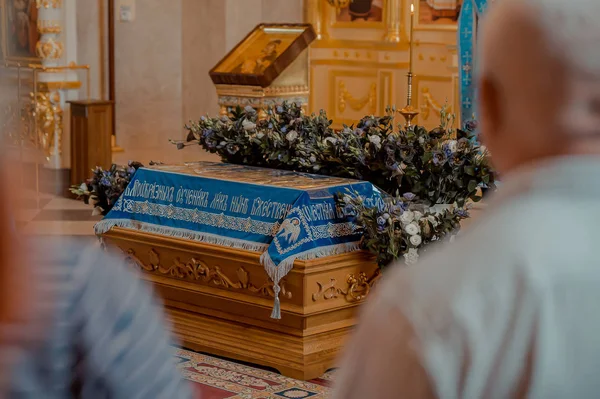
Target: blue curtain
{"points": [[470, 14]]}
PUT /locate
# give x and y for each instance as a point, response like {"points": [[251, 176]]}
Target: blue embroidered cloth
{"points": [[285, 215]]}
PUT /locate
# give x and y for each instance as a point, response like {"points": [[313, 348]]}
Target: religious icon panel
{"points": [[263, 54], [18, 30]]}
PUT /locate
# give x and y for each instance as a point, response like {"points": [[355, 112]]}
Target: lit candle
{"points": [[412, 23]]}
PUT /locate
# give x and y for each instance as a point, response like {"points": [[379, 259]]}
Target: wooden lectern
{"points": [[91, 134], [265, 69]]}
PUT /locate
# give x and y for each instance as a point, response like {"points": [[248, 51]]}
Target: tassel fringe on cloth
{"points": [[275, 272]]}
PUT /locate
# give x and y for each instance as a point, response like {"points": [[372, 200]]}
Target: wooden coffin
{"points": [[219, 300]]}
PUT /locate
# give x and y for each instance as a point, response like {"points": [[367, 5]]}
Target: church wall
{"points": [[91, 38], [162, 60], [148, 79]]}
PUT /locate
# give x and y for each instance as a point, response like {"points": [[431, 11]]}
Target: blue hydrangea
{"points": [[409, 196]]}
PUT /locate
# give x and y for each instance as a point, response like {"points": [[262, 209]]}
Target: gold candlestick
{"points": [[409, 112]]}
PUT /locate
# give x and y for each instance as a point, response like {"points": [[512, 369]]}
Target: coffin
{"points": [[213, 239], [219, 300]]}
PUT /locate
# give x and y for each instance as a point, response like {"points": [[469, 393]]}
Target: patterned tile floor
{"points": [[213, 378]]}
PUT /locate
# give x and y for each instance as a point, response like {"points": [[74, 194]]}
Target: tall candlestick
{"points": [[412, 24], [409, 112]]}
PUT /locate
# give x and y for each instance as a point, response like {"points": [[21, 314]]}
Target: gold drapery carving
{"points": [[429, 103], [345, 98], [197, 270]]}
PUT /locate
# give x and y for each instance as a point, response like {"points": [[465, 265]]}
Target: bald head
{"points": [[540, 79]]}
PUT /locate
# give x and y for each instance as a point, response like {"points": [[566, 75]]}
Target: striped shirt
{"points": [[102, 335]]}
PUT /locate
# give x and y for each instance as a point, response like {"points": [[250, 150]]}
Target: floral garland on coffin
{"points": [[441, 166], [402, 227], [426, 170], [105, 186]]}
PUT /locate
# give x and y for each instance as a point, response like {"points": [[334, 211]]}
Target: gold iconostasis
{"points": [[360, 59]]}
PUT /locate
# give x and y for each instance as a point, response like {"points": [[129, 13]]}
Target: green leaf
{"points": [[472, 185], [470, 170]]}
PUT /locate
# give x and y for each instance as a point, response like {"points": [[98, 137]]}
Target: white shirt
{"points": [[510, 309]]}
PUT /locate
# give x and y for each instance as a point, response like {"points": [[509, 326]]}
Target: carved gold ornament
{"points": [[48, 3], [345, 98], [339, 4], [358, 288], [48, 116], [49, 27], [49, 49], [196, 270]]}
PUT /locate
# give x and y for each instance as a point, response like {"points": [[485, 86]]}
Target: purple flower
{"points": [[105, 182], [381, 221], [439, 158], [471, 125], [232, 148], [380, 229], [409, 196], [279, 109], [131, 170], [249, 109], [203, 118], [206, 133], [447, 150], [463, 213], [283, 129], [463, 145], [270, 126]]}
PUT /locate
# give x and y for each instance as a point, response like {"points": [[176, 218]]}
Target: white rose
{"points": [[433, 220], [411, 257], [413, 229], [415, 240], [331, 140], [453, 145], [418, 215], [260, 135], [375, 140], [407, 217], [421, 140], [291, 136], [247, 125]]}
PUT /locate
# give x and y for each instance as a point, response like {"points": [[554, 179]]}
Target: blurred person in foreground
{"points": [[74, 322], [511, 308]]}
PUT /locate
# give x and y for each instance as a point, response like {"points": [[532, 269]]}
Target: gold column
{"points": [[393, 21], [313, 15]]}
